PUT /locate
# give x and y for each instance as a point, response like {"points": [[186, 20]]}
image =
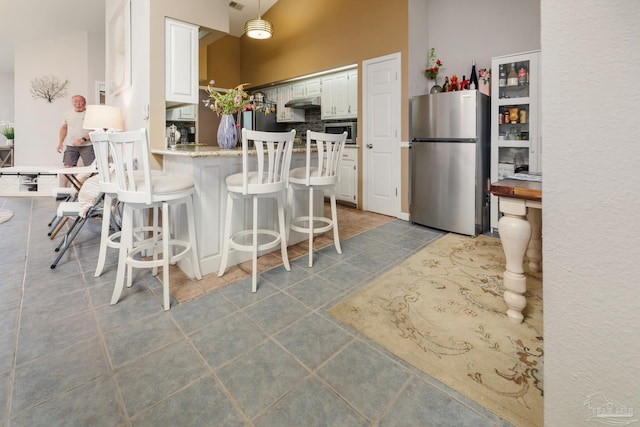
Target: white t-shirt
{"points": [[74, 121]]}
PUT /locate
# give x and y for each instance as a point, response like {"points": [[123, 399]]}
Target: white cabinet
{"points": [[515, 118], [347, 188], [287, 115], [27, 181], [304, 88], [181, 61], [340, 95], [186, 113]]}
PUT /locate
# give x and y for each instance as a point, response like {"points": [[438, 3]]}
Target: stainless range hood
{"points": [[309, 102]]}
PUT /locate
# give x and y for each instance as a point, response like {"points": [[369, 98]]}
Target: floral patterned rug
{"points": [[442, 311], [5, 215]]}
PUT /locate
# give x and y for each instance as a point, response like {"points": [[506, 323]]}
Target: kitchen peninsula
{"points": [[209, 166]]}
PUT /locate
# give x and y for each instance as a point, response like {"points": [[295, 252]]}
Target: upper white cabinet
{"points": [[515, 118], [181, 61], [287, 115], [304, 88], [340, 95]]}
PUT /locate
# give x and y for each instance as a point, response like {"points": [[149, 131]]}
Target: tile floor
{"points": [[226, 358]]}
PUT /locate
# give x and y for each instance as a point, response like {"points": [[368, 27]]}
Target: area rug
{"points": [[442, 311], [5, 215]]}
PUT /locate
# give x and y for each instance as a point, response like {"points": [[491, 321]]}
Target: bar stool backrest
{"points": [[273, 159], [133, 173]]}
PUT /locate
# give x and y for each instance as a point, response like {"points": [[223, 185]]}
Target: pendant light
{"points": [[258, 28]]}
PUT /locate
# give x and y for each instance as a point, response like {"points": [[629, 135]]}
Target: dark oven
{"points": [[337, 128]]}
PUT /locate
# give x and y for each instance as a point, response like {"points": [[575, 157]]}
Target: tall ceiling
{"points": [[24, 20]]}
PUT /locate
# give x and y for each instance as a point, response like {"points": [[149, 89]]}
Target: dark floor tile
{"points": [[311, 405], [143, 336], [274, 313], [422, 404], [154, 377], [282, 278], [54, 336], [343, 275], [57, 372], [53, 308], [139, 303], [314, 291], [241, 296], [226, 338], [202, 311], [365, 378], [200, 404], [313, 340], [92, 404], [259, 378]]}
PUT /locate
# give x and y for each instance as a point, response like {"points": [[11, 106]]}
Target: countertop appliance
{"points": [[256, 119], [450, 152], [338, 127]]}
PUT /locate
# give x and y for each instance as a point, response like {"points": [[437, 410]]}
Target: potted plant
{"points": [[8, 132]]}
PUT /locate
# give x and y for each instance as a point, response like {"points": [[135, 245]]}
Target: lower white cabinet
{"points": [[26, 181], [347, 189]]}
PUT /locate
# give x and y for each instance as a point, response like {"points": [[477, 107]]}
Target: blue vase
{"points": [[227, 133]]}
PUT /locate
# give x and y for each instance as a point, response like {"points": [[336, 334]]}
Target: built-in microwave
{"points": [[350, 127]]}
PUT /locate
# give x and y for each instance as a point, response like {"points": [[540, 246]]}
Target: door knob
{"points": [[369, 146]]}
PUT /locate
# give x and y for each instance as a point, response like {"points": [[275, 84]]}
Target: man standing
{"points": [[74, 137]]}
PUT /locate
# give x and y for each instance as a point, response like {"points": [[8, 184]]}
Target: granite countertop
{"points": [[198, 150]]}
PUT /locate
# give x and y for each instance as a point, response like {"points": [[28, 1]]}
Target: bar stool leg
{"points": [[104, 234], [126, 242], [254, 252], [166, 256], [195, 260], [284, 230], [334, 220], [227, 236]]}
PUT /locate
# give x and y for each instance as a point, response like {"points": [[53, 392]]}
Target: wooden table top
{"points": [[527, 190]]}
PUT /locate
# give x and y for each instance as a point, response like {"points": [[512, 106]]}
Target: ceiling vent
{"points": [[236, 6]]}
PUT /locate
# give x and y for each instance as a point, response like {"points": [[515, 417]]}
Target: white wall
{"points": [[463, 30], [38, 122], [591, 188], [6, 98]]}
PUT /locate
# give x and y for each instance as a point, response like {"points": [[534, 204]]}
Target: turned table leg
{"points": [[515, 232], [534, 251]]}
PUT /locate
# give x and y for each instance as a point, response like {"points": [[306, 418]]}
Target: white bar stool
{"points": [[109, 187], [318, 174], [143, 190], [268, 179]]}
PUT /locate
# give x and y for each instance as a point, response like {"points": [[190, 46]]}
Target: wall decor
{"points": [[48, 88], [119, 49]]}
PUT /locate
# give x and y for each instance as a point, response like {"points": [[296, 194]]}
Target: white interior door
{"points": [[381, 134]]}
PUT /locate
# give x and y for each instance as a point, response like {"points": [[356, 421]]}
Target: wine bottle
{"points": [[502, 82], [445, 86], [473, 78], [512, 77]]}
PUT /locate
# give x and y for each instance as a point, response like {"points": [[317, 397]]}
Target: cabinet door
{"points": [[313, 87], [326, 110], [353, 93], [181, 61], [340, 95], [298, 90], [347, 188]]}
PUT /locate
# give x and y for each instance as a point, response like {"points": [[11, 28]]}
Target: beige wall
{"points": [[311, 36]]}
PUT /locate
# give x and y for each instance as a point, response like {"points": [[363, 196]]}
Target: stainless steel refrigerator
{"points": [[450, 152], [256, 119]]}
